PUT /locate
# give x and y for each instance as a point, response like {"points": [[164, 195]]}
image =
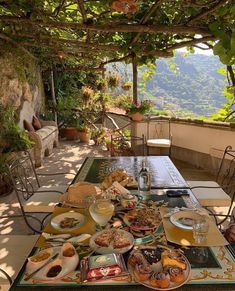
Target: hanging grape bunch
{"points": [[125, 6]]}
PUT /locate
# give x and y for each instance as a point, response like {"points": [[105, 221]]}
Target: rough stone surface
{"points": [[14, 90]]}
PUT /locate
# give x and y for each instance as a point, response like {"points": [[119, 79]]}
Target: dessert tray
{"points": [[159, 268], [112, 241]]}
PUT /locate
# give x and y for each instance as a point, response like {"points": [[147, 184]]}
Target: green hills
{"points": [[186, 85]]}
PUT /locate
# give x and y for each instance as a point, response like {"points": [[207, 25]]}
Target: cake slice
{"points": [[120, 241], [104, 239], [171, 260]]}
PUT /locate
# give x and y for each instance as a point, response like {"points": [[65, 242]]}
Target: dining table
{"points": [[212, 266]]}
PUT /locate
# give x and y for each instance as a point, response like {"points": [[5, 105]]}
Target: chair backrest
{"points": [[158, 128], [127, 146], [226, 173], [23, 175]]}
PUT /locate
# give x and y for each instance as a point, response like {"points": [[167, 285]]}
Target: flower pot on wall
{"points": [[84, 136], [137, 116]]}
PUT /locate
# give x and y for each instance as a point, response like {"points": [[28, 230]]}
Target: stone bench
{"points": [[44, 139]]}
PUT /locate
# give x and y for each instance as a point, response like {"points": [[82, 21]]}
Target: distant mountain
{"points": [[187, 85]]}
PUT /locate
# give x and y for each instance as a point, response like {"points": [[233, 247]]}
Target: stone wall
{"points": [[20, 81]]}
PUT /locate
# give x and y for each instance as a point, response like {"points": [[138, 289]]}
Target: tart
{"points": [[176, 274], [160, 279]]}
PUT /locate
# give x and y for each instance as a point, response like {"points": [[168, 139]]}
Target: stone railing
{"points": [[200, 143]]}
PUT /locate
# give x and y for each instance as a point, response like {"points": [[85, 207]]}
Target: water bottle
{"points": [[144, 179]]}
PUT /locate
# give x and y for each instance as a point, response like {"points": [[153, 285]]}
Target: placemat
{"points": [[88, 227], [185, 237]]}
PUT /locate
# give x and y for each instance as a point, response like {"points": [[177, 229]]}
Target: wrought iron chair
{"points": [[32, 197], [222, 191], [158, 134], [127, 146]]}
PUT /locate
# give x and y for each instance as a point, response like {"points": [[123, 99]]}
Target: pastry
{"points": [[176, 274], [136, 259], [160, 279], [152, 255], [104, 239], [173, 259], [142, 272], [119, 241]]}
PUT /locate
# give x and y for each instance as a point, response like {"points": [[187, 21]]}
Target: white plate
{"points": [[55, 222], [184, 219], [110, 249]]}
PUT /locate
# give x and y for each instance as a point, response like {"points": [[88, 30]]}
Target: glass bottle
{"points": [[144, 179]]}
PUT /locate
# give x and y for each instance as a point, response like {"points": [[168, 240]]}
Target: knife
{"points": [[35, 272]]}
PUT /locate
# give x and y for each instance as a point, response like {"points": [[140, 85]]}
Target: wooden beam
{"points": [[14, 43], [112, 27], [145, 18], [78, 43], [135, 79], [191, 42], [80, 68], [82, 10]]}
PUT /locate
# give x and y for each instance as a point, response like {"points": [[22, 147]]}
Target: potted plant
{"points": [[101, 84], [84, 132], [97, 135], [127, 86], [87, 93], [137, 110], [12, 137], [5, 183], [113, 81]]}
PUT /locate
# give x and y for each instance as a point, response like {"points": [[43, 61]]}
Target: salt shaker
{"points": [[144, 179]]}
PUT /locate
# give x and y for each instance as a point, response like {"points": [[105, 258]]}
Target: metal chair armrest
{"points": [[55, 174]]}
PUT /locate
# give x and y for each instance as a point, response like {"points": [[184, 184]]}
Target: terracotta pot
{"points": [[126, 87], [71, 133], [62, 132], [137, 116], [84, 136]]}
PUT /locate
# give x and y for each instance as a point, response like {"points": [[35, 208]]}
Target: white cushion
{"points": [[14, 250], [44, 201], [210, 197], [163, 143]]}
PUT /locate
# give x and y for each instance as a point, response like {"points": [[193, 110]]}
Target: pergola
{"points": [[88, 34]]}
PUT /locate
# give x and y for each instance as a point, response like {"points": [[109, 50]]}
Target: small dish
{"points": [[184, 219]]}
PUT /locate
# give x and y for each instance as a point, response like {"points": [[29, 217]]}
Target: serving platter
{"points": [[109, 241], [68, 221], [154, 261], [65, 263], [142, 221]]}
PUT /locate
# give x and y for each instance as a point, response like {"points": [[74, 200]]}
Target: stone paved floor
{"points": [[68, 157]]}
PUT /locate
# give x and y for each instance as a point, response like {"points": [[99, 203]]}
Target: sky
{"points": [[197, 51]]}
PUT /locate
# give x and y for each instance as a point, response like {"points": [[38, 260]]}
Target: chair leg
{"points": [[6, 275]]}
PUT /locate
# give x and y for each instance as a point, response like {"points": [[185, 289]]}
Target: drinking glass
{"points": [[200, 229], [101, 211]]}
